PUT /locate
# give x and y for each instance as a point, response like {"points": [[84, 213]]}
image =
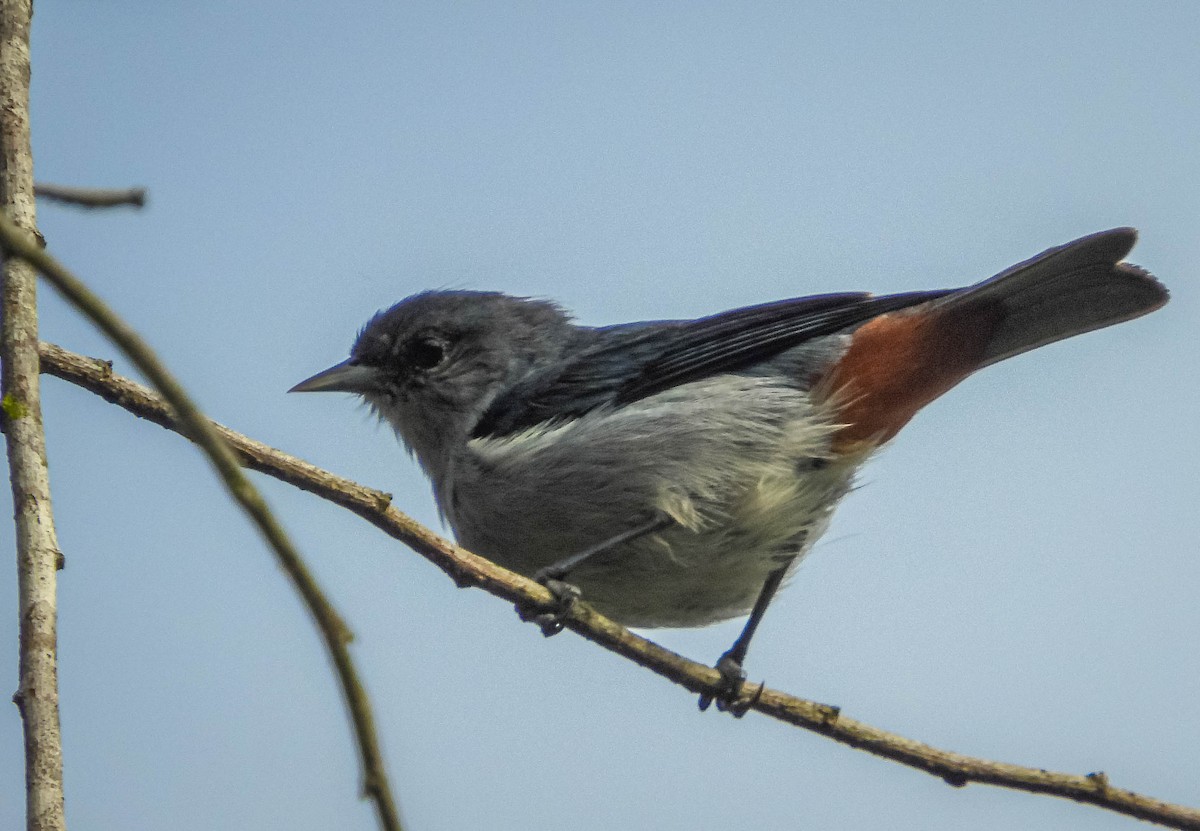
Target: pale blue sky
{"points": [[1017, 578]]}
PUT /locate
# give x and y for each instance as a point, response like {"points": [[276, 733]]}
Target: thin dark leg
{"points": [[559, 570], [730, 664], [551, 576]]}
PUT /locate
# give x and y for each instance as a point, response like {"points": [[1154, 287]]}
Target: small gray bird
{"points": [[675, 472]]}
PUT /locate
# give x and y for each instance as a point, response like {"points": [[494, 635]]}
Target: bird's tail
{"points": [[1065, 291], [898, 362]]}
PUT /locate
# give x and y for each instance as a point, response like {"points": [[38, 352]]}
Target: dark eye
{"points": [[426, 353]]}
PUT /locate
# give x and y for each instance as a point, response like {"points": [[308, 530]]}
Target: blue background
{"points": [[1016, 579]]}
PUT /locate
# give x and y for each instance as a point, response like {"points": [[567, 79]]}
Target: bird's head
{"points": [[430, 365]]}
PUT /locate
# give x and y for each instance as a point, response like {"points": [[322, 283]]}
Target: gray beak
{"points": [[343, 377]]}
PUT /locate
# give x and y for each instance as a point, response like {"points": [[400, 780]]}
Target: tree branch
{"points": [[38, 555], [91, 197], [192, 424], [467, 569]]}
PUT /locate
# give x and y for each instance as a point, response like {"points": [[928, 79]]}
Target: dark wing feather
{"points": [[618, 365], [589, 375], [743, 337]]}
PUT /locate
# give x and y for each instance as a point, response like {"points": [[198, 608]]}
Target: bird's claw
{"points": [[728, 695], [550, 618]]}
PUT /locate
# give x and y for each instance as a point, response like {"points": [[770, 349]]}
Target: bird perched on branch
{"points": [[673, 473]]}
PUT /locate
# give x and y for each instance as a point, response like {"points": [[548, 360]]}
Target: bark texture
{"points": [[38, 555]]}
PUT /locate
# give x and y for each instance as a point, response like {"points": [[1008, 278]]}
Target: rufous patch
{"points": [[899, 362]]}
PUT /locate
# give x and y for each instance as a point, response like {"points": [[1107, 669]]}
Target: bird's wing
{"points": [[618, 365]]}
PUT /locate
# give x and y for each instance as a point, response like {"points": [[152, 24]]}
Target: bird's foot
{"points": [[728, 695], [550, 618]]}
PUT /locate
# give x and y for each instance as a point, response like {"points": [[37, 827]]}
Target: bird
{"points": [[673, 473]]}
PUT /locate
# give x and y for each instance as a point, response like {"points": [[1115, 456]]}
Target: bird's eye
{"points": [[426, 353]]}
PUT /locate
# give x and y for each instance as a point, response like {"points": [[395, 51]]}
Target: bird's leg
{"points": [[565, 594], [733, 677], [559, 570]]}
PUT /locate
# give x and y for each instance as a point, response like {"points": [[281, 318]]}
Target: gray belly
{"points": [[709, 565], [746, 477]]}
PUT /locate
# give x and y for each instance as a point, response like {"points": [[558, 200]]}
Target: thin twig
{"points": [[38, 555], [91, 197], [199, 429], [470, 570]]}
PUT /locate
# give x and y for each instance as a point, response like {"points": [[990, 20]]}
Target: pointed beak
{"points": [[344, 377]]}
